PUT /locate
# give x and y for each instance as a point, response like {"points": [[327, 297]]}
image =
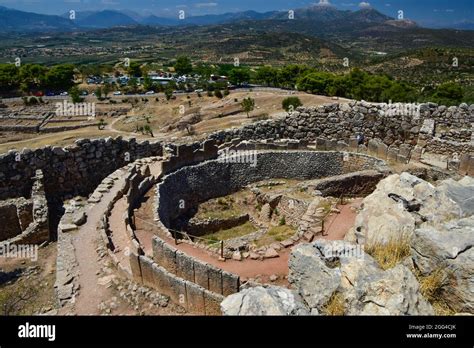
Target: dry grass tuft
{"points": [[388, 255], [431, 286], [335, 305]]}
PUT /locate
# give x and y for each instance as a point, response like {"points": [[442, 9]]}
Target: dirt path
{"points": [[247, 268], [91, 294], [337, 225]]}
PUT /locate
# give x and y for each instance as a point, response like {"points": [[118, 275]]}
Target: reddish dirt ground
{"points": [[85, 244], [337, 226]]}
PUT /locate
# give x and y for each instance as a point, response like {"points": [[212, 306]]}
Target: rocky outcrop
{"points": [[400, 204], [312, 274], [448, 249], [325, 268], [375, 292], [461, 192], [271, 300], [439, 224]]}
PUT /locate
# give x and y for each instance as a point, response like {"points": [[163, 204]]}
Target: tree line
{"points": [[357, 84], [30, 78]]}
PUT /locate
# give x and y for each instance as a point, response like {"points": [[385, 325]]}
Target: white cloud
{"points": [[364, 4]]}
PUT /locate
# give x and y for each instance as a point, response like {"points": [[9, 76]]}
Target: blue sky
{"points": [[423, 11]]}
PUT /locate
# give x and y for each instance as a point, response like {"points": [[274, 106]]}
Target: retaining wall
{"points": [[70, 171], [189, 186], [426, 128], [26, 220], [207, 276], [175, 276]]}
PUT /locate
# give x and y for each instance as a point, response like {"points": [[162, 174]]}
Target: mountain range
{"points": [[20, 21]]}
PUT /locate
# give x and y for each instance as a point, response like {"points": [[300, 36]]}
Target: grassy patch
{"points": [[234, 232], [335, 305], [276, 234], [220, 208], [388, 255]]}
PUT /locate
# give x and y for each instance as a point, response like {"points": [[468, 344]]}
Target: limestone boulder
{"points": [[270, 300], [312, 274], [319, 270], [395, 291], [461, 192], [448, 249], [399, 204]]}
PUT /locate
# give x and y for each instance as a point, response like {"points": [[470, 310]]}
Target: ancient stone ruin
{"points": [[287, 180]]}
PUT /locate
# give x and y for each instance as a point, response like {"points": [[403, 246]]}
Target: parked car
{"points": [[63, 94], [150, 93], [117, 93]]}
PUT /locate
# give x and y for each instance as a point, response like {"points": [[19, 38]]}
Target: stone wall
{"points": [[189, 154], [194, 298], [23, 129], [70, 171], [341, 122], [9, 220], [186, 188], [175, 276], [205, 275], [357, 183], [26, 220]]}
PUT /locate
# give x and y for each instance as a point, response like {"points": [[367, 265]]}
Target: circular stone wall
{"points": [[184, 189]]}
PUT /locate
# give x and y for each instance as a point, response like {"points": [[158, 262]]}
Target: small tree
{"points": [[291, 103], [183, 65], [101, 125], [98, 93], [218, 93], [147, 129], [106, 89], [75, 95], [168, 93], [248, 104]]}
